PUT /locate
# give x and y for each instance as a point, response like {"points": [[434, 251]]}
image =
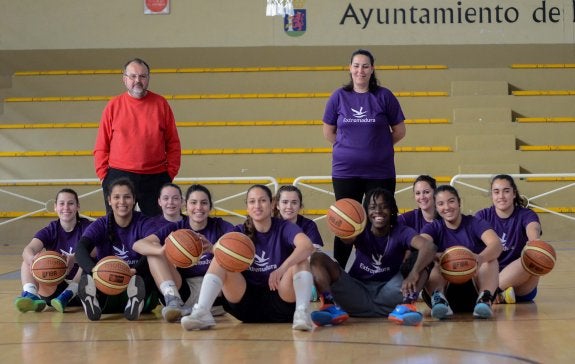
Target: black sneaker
{"points": [[136, 298], [87, 295], [439, 306], [483, 306]]}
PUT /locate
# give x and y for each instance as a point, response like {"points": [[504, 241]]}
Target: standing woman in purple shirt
{"points": [[476, 235], [362, 121], [425, 213], [515, 224], [61, 236], [276, 287], [115, 234]]}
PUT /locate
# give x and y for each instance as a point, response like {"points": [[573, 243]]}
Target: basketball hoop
{"points": [[279, 8]]}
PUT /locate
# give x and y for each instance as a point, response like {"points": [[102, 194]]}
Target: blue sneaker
{"points": [[314, 295], [329, 315], [60, 302], [29, 302], [406, 314]]}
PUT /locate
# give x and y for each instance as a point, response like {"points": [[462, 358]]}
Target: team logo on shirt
{"points": [[67, 253], [359, 116], [359, 113], [376, 265], [261, 263], [503, 240], [121, 253]]}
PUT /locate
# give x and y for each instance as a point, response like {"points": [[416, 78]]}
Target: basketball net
{"points": [[279, 8]]}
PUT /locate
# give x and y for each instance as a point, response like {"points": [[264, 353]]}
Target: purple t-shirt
{"points": [[215, 228], [309, 227], [55, 238], [467, 234], [511, 231], [272, 249], [413, 219], [140, 227], [379, 258], [363, 146]]}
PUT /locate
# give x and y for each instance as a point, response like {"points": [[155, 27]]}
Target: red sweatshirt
{"points": [[139, 136]]}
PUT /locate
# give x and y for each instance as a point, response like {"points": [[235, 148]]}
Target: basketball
{"points": [[111, 275], [183, 248], [234, 251], [538, 257], [457, 264], [346, 218], [49, 268]]}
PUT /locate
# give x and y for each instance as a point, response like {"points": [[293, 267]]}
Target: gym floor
{"points": [[541, 332]]}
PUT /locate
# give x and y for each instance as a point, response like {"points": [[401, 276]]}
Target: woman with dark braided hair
{"points": [[115, 234], [362, 121], [276, 288], [515, 224]]}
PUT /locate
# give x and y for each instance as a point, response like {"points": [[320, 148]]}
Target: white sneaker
{"points": [[302, 320], [172, 311], [199, 319]]}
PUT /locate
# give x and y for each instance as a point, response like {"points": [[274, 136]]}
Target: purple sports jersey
{"points": [[309, 227], [55, 238], [215, 228], [140, 227], [363, 147], [379, 258], [467, 234], [413, 219], [511, 231], [272, 249]]}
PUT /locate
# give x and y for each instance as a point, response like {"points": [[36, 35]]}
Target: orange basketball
{"points": [[346, 218], [183, 248], [234, 251], [49, 268], [111, 275], [538, 257], [457, 264]]}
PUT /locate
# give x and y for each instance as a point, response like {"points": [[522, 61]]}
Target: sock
{"points": [[169, 288], [302, 285], [211, 288], [73, 286], [30, 288], [328, 298]]}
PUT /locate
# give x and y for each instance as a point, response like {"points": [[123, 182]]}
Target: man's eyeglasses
{"points": [[136, 77]]}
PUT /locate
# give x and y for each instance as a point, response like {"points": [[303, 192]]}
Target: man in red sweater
{"points": [[138, 139]]}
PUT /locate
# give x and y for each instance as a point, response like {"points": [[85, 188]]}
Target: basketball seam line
{"points": [[182, 250], [233, 254], [348, 219]]}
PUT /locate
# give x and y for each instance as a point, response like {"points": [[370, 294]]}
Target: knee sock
{"points": [[211, 288], [302, 285]]}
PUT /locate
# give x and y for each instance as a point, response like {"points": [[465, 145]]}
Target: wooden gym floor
{"points": [[525, 333]]}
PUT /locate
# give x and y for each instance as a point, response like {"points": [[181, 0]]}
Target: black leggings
{"points": [[354, 188]]}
